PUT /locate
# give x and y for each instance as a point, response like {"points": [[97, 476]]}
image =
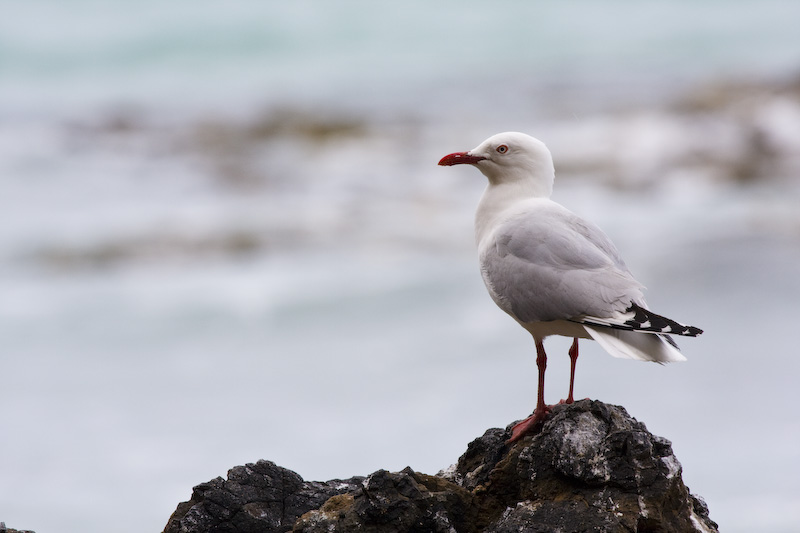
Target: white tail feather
{"points": [[635, 345]]}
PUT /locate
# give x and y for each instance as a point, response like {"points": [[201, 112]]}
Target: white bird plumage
{"points": [[552, 271]]}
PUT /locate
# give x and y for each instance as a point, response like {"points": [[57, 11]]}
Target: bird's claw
{"points": [[569, 401], [530, 425]]}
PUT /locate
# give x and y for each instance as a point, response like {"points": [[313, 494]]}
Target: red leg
{"points": [[573, 358], [538, 416], [541, 364]]}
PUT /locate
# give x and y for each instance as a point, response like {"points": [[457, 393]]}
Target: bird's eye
{"points": [[502, 149]]}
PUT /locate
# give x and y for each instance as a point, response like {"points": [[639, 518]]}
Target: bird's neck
{"points": [[500, 201]]}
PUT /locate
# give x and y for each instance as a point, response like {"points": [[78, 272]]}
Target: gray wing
{"points": [[553, 265]]}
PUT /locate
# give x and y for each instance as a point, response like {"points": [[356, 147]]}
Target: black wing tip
{"points": [[646, 320], [692, 331], [684, 331]]}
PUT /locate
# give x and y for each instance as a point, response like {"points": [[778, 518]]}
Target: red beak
{"points": [[460, 158]]}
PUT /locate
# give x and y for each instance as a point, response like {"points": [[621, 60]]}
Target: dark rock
{"points": [[482, 455], [591, 468], [256, 498], [4, 529], [405, 501]]}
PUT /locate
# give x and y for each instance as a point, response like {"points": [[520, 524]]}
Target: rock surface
{"points": [[4, 529], [591, 468], [255, 498]]}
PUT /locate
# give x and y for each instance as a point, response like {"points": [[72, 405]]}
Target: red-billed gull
{"points": [[552, 271]]}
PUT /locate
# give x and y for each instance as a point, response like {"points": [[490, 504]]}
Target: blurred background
{"points": [[225, 238]]}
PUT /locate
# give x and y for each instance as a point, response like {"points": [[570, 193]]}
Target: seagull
{"points": [[554, 272]]}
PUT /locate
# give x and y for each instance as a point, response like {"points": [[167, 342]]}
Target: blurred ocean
{"points": [[225, 238]]}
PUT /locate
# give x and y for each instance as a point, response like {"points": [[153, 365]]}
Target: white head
{"points": [[510, 158]]}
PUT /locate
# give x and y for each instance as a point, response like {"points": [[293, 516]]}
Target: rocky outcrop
{"points": [[4, 529], [591, 468], [255, 498]]}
